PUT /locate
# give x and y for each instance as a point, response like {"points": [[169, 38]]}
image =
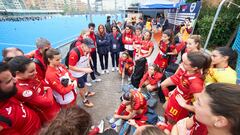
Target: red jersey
{"points": [[93, 37], [138, 102], [24, 121], [162, 58], [146, 45], [198, 128], [44, 104], [187, 85], [137, 39], [128, 63], [63, 95], [153, 80], [127, 40], [41, 70]]}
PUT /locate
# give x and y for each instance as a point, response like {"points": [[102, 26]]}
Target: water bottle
{"points": [[114, 126]]}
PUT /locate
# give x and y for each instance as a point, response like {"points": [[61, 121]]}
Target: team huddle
{"points": [[197, 89]]}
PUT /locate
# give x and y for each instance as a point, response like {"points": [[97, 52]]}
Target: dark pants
{"points": [[130, 53], [94, 59], [93, 77], [103, 66], [115, 57]]}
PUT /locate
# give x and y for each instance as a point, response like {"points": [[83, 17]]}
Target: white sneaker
{"points": [[88, 84], [101, 126], [129, 79], [113, 69], [117, 68], [97, 80], [103, 72], [107, 71]]}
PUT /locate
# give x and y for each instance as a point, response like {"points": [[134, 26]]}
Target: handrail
{"points": [[213, 23], [23, 45]]}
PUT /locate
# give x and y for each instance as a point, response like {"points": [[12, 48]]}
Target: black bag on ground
{"points": [[138, 72]]}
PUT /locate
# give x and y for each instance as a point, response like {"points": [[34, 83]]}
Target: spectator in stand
{"points": [[186, 29], [79, 68], [91, 27], [42, 46], [32, 91], [127, 39], [60, 79], [16, 118], [126, 65], [115, 47], [224, 61], [108, 25], [103, 47], [9, 53], [137, 41], [151, 78], [71, 121]]}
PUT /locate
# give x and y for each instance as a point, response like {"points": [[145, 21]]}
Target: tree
{"points": [[225, 26]]}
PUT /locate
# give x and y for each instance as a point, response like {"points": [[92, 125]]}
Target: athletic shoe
{"points": [[87, 103], [89, 94], [107, 71], [88, 84], [117, 68], [103, 72], [101, 126], [97, 80], [129, 79], [97, 73], [113, 69]]}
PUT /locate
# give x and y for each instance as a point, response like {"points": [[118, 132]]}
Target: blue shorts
{"points": [[81, 81]]}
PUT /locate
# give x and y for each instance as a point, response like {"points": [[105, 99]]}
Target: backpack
{"points": [[72, 47], [39, 63], [138, 72]]}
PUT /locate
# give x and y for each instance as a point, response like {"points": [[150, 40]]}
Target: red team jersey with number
{"points": [[187, 85], [24, 120], [44, 104], [161, 59]]}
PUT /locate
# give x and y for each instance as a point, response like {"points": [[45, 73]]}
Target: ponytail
{"points": [[232, 55], [201, 61]]}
